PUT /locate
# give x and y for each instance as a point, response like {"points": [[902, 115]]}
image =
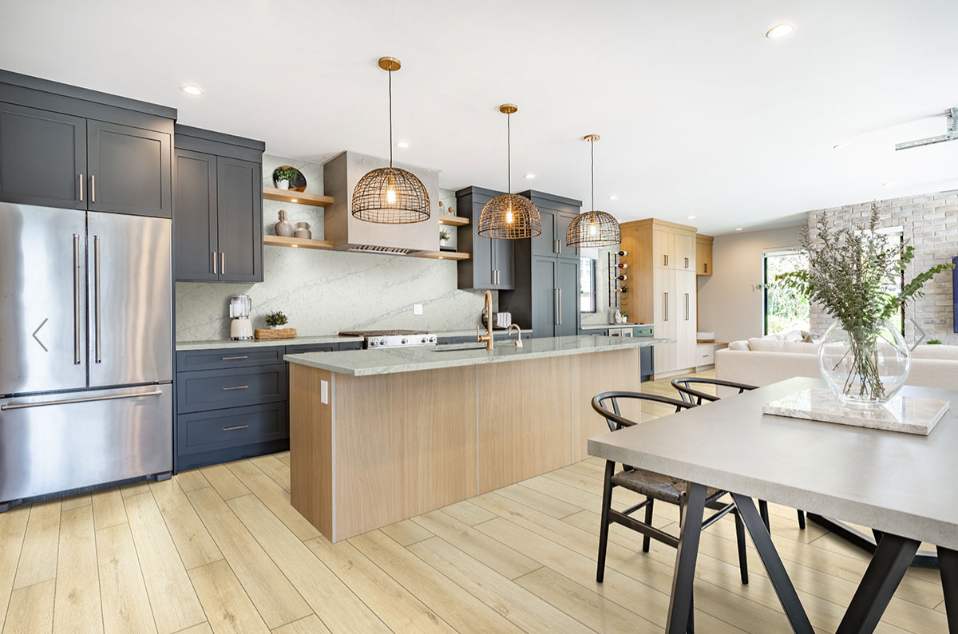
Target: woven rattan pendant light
{"points": [[593, 229], [510, 216], [390, 195]]}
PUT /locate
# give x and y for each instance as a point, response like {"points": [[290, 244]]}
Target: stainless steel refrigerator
{"points": [[86, 352]]}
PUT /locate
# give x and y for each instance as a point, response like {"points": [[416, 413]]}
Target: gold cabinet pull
{"points": [[236, 427], [233, 358], [237, 387]]}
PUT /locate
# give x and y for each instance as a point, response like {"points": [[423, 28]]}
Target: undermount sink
{"points": [[459, 347]]}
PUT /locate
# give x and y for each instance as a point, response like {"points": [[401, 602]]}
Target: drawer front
{"points": [[351, 345], [189, 360], [218, 389], [209, 431], [318, 347], [705, 356]]}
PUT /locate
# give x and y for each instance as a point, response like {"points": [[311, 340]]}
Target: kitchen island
{"points": [[378, 436]]}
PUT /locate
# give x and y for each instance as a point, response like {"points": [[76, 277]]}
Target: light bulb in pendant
{"points": [[391, 190], [593, 229], [510, 217]]}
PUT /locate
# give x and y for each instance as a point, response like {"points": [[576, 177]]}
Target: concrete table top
{"points": [[898, 483], [392, 360]]}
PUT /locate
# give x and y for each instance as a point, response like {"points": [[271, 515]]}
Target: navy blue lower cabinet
{"points": [[647, 362], [206, 438], [236, 387]]}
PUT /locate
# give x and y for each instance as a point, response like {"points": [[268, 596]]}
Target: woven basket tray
{"points": [[269, 333]]}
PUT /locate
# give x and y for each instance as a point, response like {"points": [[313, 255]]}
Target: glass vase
{"points": [[864, 368]]}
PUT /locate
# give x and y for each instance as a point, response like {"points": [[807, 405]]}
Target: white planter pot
{"points": [[284, 184]]}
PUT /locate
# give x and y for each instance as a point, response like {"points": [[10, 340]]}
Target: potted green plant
{"points": [[283, 176], [854, 275], [933, 342], [276, 320], [443, 237]]}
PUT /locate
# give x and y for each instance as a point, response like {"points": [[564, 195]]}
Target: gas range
{"points": [[373, 339]]}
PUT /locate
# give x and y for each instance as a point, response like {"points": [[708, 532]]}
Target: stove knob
{"points": [[382, 342], [432, 340], [424, 340], [404, 340]]}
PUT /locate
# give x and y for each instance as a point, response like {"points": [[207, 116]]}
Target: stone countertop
{"points": [[604, 326], [394, 360], [217, 344]]}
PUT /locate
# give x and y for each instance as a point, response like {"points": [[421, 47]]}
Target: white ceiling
{"points": [[699, 113]]}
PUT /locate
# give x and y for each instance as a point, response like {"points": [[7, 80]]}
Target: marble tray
{"points": [[906, 414]]}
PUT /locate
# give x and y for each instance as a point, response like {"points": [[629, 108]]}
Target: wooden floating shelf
{"points": [[300, 198], [453, 221], [302, 243], [440, 255]]}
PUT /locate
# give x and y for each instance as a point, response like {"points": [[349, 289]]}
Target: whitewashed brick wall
{"points": [[930, 224]]}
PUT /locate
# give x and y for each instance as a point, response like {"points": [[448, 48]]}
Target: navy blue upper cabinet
{"points": [[219, 207], [42, 157], [63, 146], [492, 265]]}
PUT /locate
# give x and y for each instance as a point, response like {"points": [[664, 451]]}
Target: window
{"points": [[785, 309], [587, 291]]}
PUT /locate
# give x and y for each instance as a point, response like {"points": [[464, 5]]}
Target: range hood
{"points": [[340, 175]]}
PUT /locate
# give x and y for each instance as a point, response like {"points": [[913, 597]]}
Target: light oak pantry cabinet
{"points": [[703, 254], [662, 288]]}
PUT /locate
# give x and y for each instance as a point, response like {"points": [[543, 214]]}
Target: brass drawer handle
{"points": [[238, 387], [237, 427], [233, 358]]}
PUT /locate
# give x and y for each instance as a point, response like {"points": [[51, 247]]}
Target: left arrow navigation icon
{"points": [[38, 330]]}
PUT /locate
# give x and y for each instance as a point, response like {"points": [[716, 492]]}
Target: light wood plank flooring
{"points": [[220, 550]]}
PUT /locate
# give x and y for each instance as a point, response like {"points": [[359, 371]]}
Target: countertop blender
{"points": [[241, 329]]}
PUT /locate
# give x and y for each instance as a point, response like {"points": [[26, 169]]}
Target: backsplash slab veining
{"points": [[324, 292]]}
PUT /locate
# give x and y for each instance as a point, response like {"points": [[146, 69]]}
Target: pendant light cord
{"points": [[592, 143], [509, 151], [390, 73]]}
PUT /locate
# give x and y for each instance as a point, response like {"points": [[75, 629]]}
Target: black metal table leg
{"points": [[892, 558], [690, 532], [857, 538], [773, 565], [948, 562]]}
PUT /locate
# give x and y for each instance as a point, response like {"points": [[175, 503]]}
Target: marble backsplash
{"points": [[324, 292]]}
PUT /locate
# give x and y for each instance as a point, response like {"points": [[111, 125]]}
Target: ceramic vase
{"points": [[283, 184], [302, 231], [284, 227]]}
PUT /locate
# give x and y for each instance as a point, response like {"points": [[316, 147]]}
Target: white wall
{"points": [[727, 304]]}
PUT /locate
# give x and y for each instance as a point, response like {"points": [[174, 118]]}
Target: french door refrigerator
{"points": [[85, 350]]}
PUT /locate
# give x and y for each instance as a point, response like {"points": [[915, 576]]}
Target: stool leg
{"points": [[604, 522], [742, 553], [646, 541], [801, 520]]}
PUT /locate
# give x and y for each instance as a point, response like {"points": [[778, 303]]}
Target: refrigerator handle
{"points": [[86, 399], [76, 298], [96, 291]]}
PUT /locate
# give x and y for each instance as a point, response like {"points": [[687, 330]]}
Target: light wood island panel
{"points": [[388, 447]]}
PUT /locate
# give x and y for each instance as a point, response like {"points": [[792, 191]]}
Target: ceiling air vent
{"points": [[368, 248]]}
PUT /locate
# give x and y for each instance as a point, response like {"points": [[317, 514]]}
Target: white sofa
{"points": [[765, 361]]}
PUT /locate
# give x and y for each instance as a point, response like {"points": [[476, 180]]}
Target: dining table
{"points": [[902, 486]]}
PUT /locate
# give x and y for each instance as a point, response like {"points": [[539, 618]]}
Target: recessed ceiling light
{"points": [[403, 144], [738, 228], [840, 146], [690, 217], [530, 176], [190, 89], [613, 197], [888, 183], [780, 30]]}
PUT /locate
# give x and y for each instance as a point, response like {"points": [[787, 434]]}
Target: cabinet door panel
{"points": [[195, 216], [665, 318], [685, 252], [239, 200], [129, 170], [505, 263], [686, 349], [42, 157], [568, 297], [544, 244], [562, 222], [544, 297], [663, 249], [482, 255]]}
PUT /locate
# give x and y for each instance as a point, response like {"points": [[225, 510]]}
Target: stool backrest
{"points": [[614, 417]]}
